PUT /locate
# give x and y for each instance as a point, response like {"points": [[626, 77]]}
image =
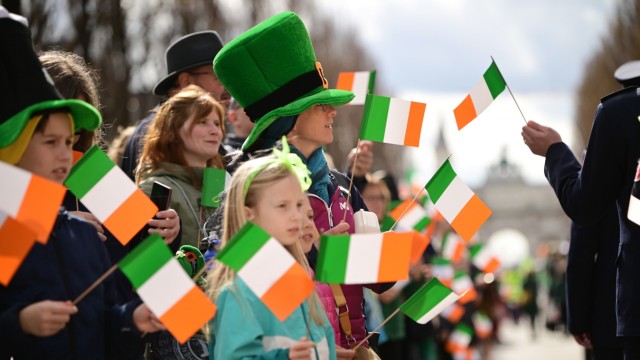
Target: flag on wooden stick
{"points": [[392, 121], [429, 301], [482, 95], [360, 83]]}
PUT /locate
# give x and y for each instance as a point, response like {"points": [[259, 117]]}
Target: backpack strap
{"points": [[343, 313]]}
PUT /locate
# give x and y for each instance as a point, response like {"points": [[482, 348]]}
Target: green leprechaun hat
{"points": [[272, 71], [27, 88]]}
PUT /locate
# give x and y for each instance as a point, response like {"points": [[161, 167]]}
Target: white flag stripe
{"points": [[266, 267], [360, 87], [154, 291], [634, 210], [460, 338], [364, 258], [109, 193], [3, 218], [446, 302], [451, 244], [412, 217], [453, 199], [482, 258], [227, 181], [397, 119], [14, 183], [481, 96], [443, 272], [461, 284]]}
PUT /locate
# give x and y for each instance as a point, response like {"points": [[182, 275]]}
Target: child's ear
{"points": [[249, 213]]}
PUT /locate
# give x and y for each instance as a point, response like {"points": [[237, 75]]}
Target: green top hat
{"points": [[26, 87], [271, 70]]}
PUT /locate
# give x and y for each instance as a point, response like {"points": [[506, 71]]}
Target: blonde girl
{"points": [[268, 192]]}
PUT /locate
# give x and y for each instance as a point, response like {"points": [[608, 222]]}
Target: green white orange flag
{"points": [[482, 95], [165, 287], [110, 195], [464, 287], [452, 247], [410, 215], [214, 182], [428, 301], [360, 83], [453, 313], [459, 339], [364, 258], [16, 240], [482, 324], [483, 259], [460, 206], [268, 270], [32, 200], [392, 121], [442, 269]]}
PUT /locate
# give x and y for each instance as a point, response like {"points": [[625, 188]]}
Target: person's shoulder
{"points": [[631, 92]]}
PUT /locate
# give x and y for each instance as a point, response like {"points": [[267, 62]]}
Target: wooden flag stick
{"points": [[407, 208], [513, 97], [376, 329], [353, 168], [95, 284]]}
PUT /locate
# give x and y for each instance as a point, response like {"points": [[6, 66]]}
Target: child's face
{"points": [[309, 231], [278, 210], [49, 152]]}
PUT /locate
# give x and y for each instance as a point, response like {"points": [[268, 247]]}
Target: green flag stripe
{"points": [[332, 259], [145, 260], [387, 223], [440, 261], [440, 181], [422, 224], [212, 185], [495, 81], [372, 81], [244, 244], [425, 299], [374, 120], [464, 328], [86, 173], [474, 250]]}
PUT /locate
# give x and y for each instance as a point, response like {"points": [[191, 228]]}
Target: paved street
{"points": [[516, 343]]}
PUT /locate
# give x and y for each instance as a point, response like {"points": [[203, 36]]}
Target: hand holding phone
{"points": [[161, 197]]}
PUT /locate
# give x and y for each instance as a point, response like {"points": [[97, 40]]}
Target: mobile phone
{"points": [[160, 195]]}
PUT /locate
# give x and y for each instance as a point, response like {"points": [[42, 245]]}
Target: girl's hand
{"points": [[90, 218], [301, 350], [46, 318], [145, 321], [166, 225], [340, 229], [344, 354]]}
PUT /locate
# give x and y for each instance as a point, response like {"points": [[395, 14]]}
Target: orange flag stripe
{"points": [[345, 81], [456, 313], [492, 266], [16, 240], [396, 249], [398, 210], [465, 112], [469, 296], [471, 218], [181, 319], [124, 222], [281, 298], [414, 124], [418, 245], [40, 204]]}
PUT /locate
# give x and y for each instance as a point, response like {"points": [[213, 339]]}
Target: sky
{"points": [[435, 51]]}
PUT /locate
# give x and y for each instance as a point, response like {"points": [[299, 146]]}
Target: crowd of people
{"points": [[269, 88]]}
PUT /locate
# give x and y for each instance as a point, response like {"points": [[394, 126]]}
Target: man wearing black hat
{"points": [[587, 194], [189, 61]]}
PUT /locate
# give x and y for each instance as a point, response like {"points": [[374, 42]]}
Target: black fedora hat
{"points": [[195, 49], [26, 88]]}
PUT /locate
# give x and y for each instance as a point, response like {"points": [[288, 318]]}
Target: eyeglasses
{"points": [[325, 107]]}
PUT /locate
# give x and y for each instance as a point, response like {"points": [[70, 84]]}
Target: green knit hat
{"points": [[272, 71]]}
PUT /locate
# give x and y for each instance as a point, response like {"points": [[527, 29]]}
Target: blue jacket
{"points": [[60, 270], [587, 192]]}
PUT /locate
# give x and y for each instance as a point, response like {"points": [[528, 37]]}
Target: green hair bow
{"points": [[288, 159]]}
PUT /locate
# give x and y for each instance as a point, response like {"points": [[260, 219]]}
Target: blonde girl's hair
{"points": [[163, 142], [235, 218]]}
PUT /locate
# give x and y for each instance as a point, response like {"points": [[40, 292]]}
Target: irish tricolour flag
{"points": [[456, 202], [483, 259], [442, 269], [360, 83], [166, 288], [392, 121], [459, 339], [410, 215], [364, 258], [428, 302], [452, 247], [214, 182], [489, 87], [268, 270], [32, 200], [16, 239], [110, 195], [463, 286]]}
